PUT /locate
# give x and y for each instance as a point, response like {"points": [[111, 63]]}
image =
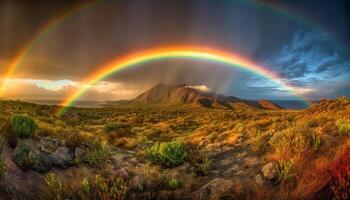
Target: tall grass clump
{"points": [[24, 125], [169, 154], [97, 157], [55, 186], [104, 188], [285, 170], [296, 139]]}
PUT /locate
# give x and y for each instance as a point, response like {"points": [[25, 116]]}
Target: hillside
{"points": [[183, 94], [174, 152]]}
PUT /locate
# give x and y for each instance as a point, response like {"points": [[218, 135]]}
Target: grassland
{"points": [[176, 152]]}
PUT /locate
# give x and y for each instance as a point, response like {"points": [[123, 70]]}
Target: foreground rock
{"points": [[39, 161], [269, 170], [62, 157], [216, 189]]}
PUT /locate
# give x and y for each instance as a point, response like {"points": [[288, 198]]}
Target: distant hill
{"points": [[184, 94]]}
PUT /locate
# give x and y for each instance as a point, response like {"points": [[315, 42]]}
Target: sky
{"points": [[306, 42]]}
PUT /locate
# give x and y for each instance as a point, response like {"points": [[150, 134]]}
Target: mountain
{"points": [[189, 95], [269, 105]]}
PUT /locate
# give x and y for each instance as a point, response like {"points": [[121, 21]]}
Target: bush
{"points": [[340, 181], [173, 184], [97, 157], [285, 170], [55, 185], [23, 125], [296, 139], [204, 167], [110, 127], [260, 142], [343, 126], [104, 188], [169, 154]]}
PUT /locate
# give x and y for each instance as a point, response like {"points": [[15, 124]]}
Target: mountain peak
{"points": [[198, 95]]}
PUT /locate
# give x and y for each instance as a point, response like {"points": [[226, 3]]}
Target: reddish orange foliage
{"points": [[340, 171]]}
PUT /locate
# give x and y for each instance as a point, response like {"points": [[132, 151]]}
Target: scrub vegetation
{"points": [[175, 152]]}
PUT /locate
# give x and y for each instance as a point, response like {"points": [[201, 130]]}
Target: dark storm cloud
{"points": [[310, 53], [91, 38]]}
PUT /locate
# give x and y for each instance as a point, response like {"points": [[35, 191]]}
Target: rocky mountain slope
{"points": [[184, 94]]}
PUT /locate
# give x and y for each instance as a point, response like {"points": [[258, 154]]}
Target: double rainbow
{"points": [[232, 60]]}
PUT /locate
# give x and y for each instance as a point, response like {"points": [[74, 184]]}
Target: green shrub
{"points": [[204, 167], [55, 185], [169, 154], [110, 127], [97, 157], [343, 126], [285, 170], [165, 182], [23, 125], [173, 184]]}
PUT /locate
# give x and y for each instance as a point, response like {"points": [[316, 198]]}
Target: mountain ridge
{"points": [[188, 95]]}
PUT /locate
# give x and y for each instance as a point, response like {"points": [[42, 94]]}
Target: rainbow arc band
{"points": [[137, 59], [89, 4]]}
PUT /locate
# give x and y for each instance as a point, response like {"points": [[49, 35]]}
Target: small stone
{"points": [[269, 170]]}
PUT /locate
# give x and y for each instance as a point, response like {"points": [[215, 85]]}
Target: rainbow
{"points": [[55, 21], [136, 59], [37, 37]]}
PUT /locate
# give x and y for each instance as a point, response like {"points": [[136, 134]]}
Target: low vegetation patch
{"points": [[296, 139], [97, 157], [110, 127], [24, 125], [343, 126], [104, 188], [169, 154]]}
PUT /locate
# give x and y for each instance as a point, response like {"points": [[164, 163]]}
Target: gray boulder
{"points": [[269, 170], [39, 161], [20, 154], [62, 157]]}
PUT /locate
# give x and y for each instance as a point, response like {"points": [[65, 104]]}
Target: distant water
{"points": [[291, 104], [77, 103]]}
